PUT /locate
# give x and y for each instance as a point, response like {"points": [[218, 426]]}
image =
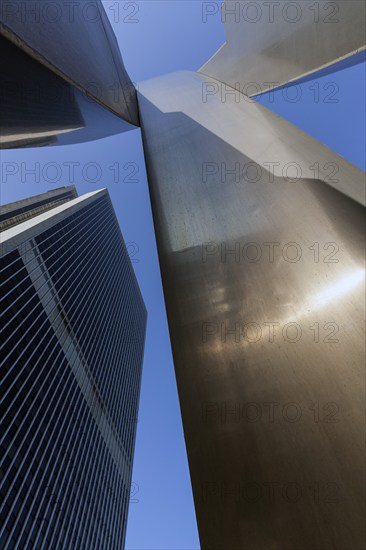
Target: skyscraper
{"points": [[73, 326]]}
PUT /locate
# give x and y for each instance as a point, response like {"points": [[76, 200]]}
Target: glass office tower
{"points": [[73, 328]]}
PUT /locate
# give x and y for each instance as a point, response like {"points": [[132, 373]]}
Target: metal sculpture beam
{"points": [[263, 282], [261, 241], [272, 43], [61, 62]]}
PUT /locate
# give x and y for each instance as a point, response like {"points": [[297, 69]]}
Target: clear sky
{"points": [[156, 37]]}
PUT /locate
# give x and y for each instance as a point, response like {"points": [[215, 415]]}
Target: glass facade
{"points": [[18, 212], [73, 327]]}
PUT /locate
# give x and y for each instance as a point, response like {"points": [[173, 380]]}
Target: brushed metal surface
{"points": [[38, 108], [76, 41], [272, 43], [263, 283]]}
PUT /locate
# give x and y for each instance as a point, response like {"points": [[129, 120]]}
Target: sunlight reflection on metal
{"points": [[339, 289]]}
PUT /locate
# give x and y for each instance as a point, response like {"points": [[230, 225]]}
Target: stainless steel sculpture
{"points": [[260, 237], [60, 63], [272, 43]]}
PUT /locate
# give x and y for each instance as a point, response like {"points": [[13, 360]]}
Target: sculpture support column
{"points": [[263, 277]]}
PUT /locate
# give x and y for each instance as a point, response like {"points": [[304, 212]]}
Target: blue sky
{"points": [[156, 37]]}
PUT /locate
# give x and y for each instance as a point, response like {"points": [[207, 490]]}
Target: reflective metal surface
{"points": [[272, 43], [38, 107], [263, 280], [75, 40]]}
